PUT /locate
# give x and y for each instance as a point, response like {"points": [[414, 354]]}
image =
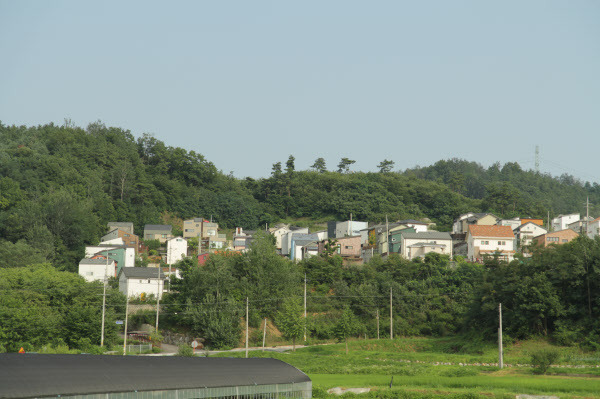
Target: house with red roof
{"points": [[490, 240]]}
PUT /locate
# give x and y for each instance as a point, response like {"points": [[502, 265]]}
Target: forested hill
{"points": [[60, 185]]}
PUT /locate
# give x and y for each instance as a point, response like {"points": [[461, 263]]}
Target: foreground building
{"points": [[141, 377]]}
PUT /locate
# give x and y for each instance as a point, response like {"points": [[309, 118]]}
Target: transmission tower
{"points": [[537, 158]]}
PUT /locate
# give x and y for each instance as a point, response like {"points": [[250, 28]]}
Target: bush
{"points": [[543, 358], [185, 351]]}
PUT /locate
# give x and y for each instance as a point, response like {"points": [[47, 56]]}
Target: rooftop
{"points": [[428, 235], [36, 375], [491, 231], [162, 227], [142, 272]]}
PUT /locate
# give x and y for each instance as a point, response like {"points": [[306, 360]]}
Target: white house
{"points": [[113, 241], [286, 239], [415, 245], [490, 240], [420, 227], [593, 228], [527, 231], [562, 222], [177, 248], [128, 259], [133, 281], [348, 228], [97, 269], [513, 223]]}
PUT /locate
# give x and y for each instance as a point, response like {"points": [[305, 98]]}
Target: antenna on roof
{"points": [[537, 158]]}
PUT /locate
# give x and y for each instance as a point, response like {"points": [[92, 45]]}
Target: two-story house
{"points": [[177, 249], [462, 223], [97, 269], [525, 233], [133, 281], [562, 222], [160, 232], [556, 238], [490, 240], [417, 244], [128, 239]]}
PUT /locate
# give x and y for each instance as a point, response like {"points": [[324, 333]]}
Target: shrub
{"points": [[543, 358], [185, 351]]}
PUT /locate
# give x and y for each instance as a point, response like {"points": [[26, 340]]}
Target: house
{"points": [[128, 239], [348, 248], [593, 228], [177, 248], [125, 226], [513, 223], [309, 249], [298, 240], [97, 269], [525, 233], [396, 238], [160, 232], [378, 235], [561, 222], [133, 281], [462, 223], [539, 222], [350, 228], [241, 239], [556, 237], [207, 233], [417, 245], [490, 240], [419, 227], [580, 226], [122, 254], [286, 239]]}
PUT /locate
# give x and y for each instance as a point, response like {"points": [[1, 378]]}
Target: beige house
{"points": [[557, 237], [160, 232], [490, 240], [207, 232], [462, 223], [417, 245]]}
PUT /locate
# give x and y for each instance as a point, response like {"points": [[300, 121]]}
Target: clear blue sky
{"points": [[247, 83]]}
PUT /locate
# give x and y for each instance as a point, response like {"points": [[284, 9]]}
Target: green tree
{"points": [[346, 325], [344, 165], [385, 166], [319, 165], [290, 320]]}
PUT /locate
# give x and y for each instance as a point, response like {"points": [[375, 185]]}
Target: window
{"points": [[89, 273], [565, 240], [485, 242], [163, 235], [148, 281], [552, 239], [197, 225], [348, 246], [125, 235], [501, 242]]}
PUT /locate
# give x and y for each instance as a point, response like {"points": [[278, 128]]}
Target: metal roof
{"points": [[101, 262], [160, 227], [428, 235], [142, 272], [36, 375]]}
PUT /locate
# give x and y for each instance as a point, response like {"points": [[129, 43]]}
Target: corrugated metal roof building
{"points": [[137, 377]]}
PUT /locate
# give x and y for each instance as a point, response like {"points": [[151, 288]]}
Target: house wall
{"points": [[513, 223], [97, 272], [349, 246], [406, 242], [557, 237], [528, 232], [349, 228], [176, 250], [488, 245], [286, 240], [134, 287], [563, 221], [593, 228], [279, 234]]}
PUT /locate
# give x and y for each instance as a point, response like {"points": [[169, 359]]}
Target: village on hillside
{"points": [[473, 237]]}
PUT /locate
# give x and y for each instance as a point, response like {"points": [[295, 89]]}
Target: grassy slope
{"points": [[414, 363]]}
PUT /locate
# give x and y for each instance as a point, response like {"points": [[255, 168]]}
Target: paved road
{"points": [[171, 350]]}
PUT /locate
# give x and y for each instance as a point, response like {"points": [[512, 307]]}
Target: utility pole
{"points": [[377, 323], [548, 220], [126, 315], [391, 317], [500, 350], [387, 233], [264, 334], [587, 215], [350, 225], [169, 261], [246, 327], [157, 298], [304, 307], [103, 306]]}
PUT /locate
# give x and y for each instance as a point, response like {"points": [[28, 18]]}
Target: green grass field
{"points": [[431, 367]]}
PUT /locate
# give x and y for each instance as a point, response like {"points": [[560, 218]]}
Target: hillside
{"points": [[60, 185]]}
